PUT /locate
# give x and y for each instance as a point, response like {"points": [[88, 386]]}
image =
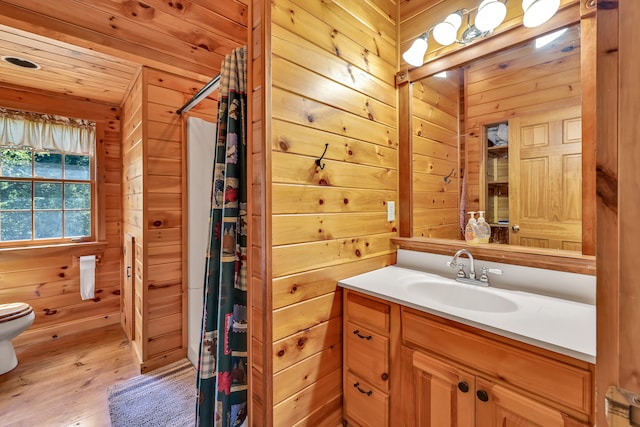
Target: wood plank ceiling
{"points": [[92, 49], [64, 68]]}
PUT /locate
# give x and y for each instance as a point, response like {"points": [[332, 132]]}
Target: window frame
{"points": [[92, 181]]}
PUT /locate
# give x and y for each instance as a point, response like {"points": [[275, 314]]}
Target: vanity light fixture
{"points": [[488, 15], [537, 12]]}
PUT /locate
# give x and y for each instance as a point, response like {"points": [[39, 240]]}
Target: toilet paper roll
{"points": [[87, 276]]}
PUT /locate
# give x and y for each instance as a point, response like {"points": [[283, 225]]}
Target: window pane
{"points": [[76, 167], [48, 224], [15, 195], [77, 223], [77, 196], [15, 226], [48, 165], [48, 195], [16, 163]]}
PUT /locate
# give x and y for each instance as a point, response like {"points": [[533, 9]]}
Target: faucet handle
{"points": [[485, 270]]}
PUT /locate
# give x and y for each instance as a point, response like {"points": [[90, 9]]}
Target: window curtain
{"points": [[222, 365], [20, 129]]}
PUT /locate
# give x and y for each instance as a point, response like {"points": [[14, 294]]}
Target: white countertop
{"points": [[560, 325]]}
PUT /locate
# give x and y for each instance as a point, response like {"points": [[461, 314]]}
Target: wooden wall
{"points": [[435, 123], [132, 216], [155, 210], [259, 210], [517, 83], [617, 93], [51, 284], [186, 37], [330, 81]]}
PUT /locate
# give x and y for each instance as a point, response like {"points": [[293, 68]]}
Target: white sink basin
{"points": [[559, 325], [466, 297]]}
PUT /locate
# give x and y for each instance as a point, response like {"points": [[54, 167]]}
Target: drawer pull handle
{"points": [[368, 393], [367, 337], [482, 395], [463, 386]]}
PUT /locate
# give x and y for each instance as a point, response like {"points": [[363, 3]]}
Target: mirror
{"points": [[502, 134]]}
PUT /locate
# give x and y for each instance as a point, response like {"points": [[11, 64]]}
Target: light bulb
{"points": [[490, 14], [446, 32], [537, 12], [415, 54]]}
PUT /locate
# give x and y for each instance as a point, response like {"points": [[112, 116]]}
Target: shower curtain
{"points": [[222, 366]]}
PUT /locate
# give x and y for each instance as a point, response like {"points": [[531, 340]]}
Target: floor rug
{"points": [[164, 397]]}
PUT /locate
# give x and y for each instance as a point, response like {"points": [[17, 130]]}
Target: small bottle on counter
{"points": [[471, 230], [484, 229]]}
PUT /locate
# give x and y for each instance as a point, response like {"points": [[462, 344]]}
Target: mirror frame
{"points": [[534, 257]]}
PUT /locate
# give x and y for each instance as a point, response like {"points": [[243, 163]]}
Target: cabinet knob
{"points": [[482, 395], [515, 227], [463, 386], [384, 376]]}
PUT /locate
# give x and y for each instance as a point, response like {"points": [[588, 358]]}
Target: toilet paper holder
{"points": [[76, 259]]}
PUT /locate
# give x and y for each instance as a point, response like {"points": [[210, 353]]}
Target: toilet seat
{"points": [[14, 311]]}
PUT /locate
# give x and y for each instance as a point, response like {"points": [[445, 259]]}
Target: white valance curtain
{"points": [[20, 129]]}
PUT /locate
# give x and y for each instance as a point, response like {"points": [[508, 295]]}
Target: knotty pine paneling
{"points": [[259, 210], [516, 83], [435, 121], [163, 215], [294, 15], [153, 210], [188, 38], [51, 285], [328, 87], [132, 204]]}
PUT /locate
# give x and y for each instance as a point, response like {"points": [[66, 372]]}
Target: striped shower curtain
{"points": [[222, 366]]}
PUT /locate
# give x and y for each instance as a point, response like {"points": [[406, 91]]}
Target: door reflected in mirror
{"points": [[502, 135]]}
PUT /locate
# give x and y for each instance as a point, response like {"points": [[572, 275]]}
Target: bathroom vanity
{"points": [[422, 349]]}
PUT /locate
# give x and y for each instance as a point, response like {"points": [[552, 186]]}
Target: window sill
{"points": [[73, 249]]}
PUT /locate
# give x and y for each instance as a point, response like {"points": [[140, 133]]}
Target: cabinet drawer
{"points": [[365, 405], [368, 355], [368, 312], [556, 381]]}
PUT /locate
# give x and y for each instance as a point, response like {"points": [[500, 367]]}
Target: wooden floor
{"points": [[64, 382]]}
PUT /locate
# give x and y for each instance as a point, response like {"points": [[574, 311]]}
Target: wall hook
{"points": [[322, 165], [447, 179]]}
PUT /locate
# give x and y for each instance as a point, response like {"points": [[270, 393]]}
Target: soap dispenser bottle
{"points": [[484, 229], [471, 230]]}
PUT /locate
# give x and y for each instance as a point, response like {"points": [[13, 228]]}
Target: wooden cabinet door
{"points": [[497, 406], [442, 395], [545, 180]]}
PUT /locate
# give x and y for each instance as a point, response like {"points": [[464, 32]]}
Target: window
{"points": [[44, 195]]}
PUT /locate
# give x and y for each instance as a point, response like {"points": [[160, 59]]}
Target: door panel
{"points": [[443, 393], [545, 164], [505, 408]]}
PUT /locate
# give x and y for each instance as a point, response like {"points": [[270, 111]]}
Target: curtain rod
{"points": [[202, 93]]}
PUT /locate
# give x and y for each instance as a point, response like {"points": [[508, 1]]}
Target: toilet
{"points": [[15, 318]]}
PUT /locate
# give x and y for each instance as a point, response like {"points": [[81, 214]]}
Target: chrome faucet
{"points": [[483, 280], [454, 263]]}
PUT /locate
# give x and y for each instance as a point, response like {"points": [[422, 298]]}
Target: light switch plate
{"points": [[391, 210]]}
